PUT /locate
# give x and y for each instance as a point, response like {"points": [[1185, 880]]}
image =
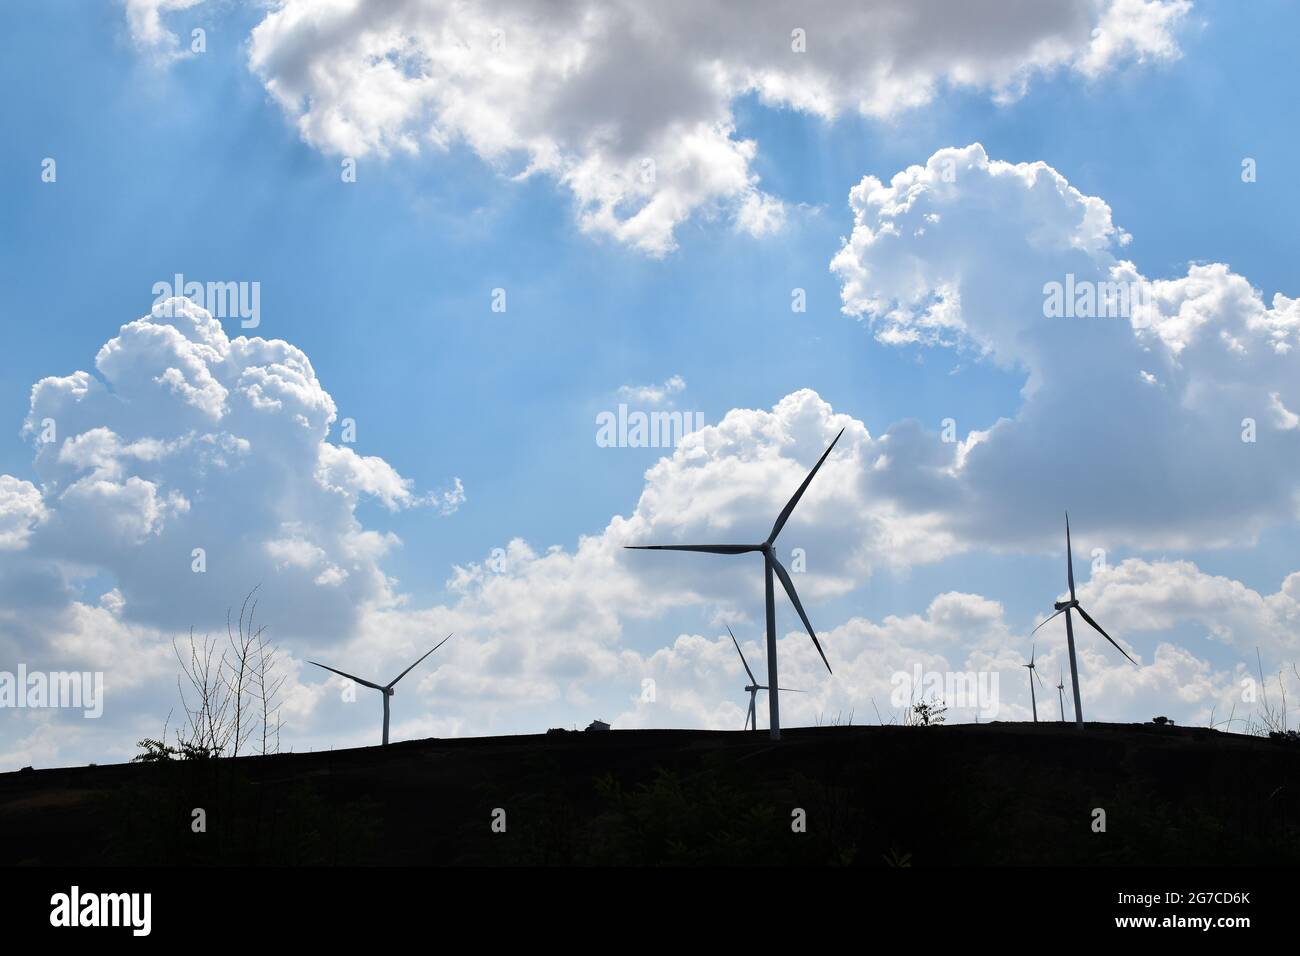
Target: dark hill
{"points": [[991, 793]]}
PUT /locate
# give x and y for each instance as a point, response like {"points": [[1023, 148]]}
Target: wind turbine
{"points": [[751, 717], [1060, 692], [387, 689], [1033, 700], [1064, 607], [770, 565]]}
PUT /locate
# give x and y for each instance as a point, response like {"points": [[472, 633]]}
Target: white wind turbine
{"points": [[751, 717], [1064, 607], [770, 566], [1033, 700], [387, 689]]}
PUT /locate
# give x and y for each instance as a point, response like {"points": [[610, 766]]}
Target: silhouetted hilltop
{"points": [[921, 796]]}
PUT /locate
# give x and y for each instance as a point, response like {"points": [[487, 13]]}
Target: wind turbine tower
{"points": [[771, 566], [386, 689], [1033, 699], [1065, 607], [751, 717]]}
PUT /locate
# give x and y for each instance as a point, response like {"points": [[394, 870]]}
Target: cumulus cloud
{"points": [[631, 108], [343, 470], [186, 469], [960, 653], [1162, 595], [21, 509], [191, 466], [960, 254]]}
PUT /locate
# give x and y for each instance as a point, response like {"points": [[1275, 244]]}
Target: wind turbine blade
{"points": [[1040, 679], [394, 681], [794, 599], [1097, 627], [1069, 556], [705, 548], [1032, 651], [348, 676], [1035, 630], [790, 690], [752, 678], [789, 506]]}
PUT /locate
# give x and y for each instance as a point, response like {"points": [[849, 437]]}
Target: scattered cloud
{"points": [[144, 18], [653, 394]]}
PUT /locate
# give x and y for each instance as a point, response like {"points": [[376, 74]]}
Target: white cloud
{"points": [[21, 509], [295, 552], [653, 394], [187, 439], [449, 501], [1140, 465], [1162, 595], [1133, 28], [343, 470], [698, 682], [145, 20], [630, 107], [1284, 417]]}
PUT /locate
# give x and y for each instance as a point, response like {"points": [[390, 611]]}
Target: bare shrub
{"points": [[229, 693], [1272, 719]]}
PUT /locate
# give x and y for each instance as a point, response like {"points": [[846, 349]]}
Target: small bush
{"points": [[154, 751]]}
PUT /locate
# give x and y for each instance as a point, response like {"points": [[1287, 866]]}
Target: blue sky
{"points": [[191, 166]]}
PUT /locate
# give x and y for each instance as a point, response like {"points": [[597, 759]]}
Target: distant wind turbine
{"points": [[1060, 692], [1073, 604], [387, 689], [751, 718], [1033, 700], [770, 565]]}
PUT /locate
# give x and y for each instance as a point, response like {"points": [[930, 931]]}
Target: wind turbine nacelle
{"points": [[390, 691], [1062, 605]]}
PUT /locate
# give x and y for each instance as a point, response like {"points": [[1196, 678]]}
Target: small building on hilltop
{"points": [[598, 725]]}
